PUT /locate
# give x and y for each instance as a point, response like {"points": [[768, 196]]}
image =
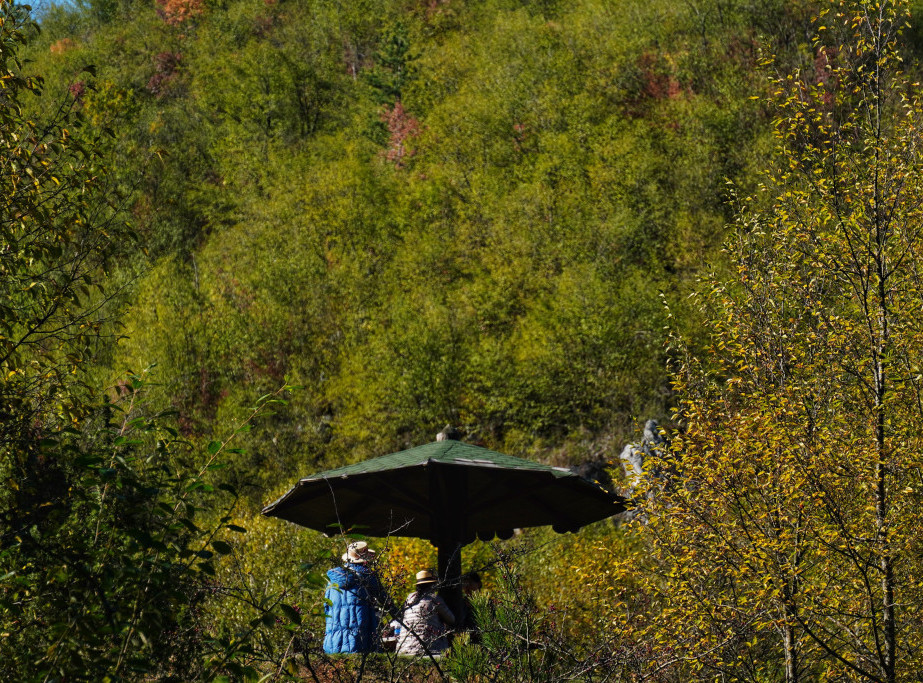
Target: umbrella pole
{"points": [[449, 487], [449, 554]]}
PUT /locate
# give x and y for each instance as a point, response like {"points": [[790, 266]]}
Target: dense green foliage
{"points": [[463, 212], [484, 213]]}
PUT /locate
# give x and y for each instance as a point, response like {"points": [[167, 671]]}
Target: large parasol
{"points": [[448, 492]]}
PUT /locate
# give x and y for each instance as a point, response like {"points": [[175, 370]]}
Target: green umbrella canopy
{"points": [[448, 492]]}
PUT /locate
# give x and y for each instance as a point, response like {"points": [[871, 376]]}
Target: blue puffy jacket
{"points": [[353, 593]]}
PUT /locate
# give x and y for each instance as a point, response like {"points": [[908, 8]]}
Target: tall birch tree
{"points": [[788, 528]]}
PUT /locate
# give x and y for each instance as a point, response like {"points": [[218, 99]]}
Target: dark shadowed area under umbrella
{"points": [[449, 493]]}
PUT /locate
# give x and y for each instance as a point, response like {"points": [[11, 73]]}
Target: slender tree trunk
{"points": [[789, 637], [791, 652], [881, 510], [881, 262]]}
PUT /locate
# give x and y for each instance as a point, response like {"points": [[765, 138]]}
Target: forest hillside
{"points": [[463, 212]]}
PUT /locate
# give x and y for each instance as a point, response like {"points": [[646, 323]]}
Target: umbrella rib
{"points": [[569, 520], [362, 486], [511, 494], [529, 494], [392, 529]]}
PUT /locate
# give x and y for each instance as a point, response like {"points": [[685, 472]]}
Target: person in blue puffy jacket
{"points": [[353, 597]]}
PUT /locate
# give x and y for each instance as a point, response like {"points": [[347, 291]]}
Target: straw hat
{"points": [[426, 576], [358, 553]]}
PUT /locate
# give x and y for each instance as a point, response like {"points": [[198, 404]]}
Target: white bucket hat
{"points": [[358, 553]]}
